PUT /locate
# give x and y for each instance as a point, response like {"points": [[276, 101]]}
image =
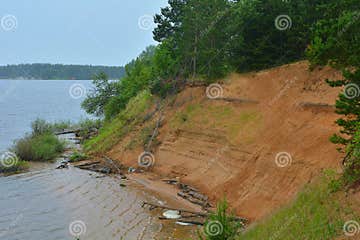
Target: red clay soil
{"points": [[229, 148]]}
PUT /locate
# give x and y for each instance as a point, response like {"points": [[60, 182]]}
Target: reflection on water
{"points": [[41, 205]]}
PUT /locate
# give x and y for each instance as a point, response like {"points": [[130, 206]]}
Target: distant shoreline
{"points": [[58, 71], [54, 79]]}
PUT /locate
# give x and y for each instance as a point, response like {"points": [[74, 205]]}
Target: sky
{"points": [[96, 32]]}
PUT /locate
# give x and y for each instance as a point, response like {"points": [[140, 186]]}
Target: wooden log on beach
{"points": [[112, 162], [181, 220], [170, 181], [67, 131], [85, 163], [195, 214], [154, 206], [199, 196], [188, 197]]}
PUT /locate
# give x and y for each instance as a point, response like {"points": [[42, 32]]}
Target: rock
{"points": [[100, 176], [172, 214], [62, 166], [105, 170]]}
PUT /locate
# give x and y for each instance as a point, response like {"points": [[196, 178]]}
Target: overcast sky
{"points": [[97, 32]]}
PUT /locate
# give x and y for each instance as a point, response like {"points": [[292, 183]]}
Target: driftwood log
{"points": [[155, 206], [68, 132], [194, 214], [182, 220]]}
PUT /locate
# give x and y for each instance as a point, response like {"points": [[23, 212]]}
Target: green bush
{"points": [[38, 147], [88, 126], [77, 156], [40, 127], [17, 167], [60, 126]]}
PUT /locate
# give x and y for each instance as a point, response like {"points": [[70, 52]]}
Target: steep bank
{"points": [[229, 146]]}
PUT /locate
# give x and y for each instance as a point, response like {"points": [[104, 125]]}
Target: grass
{"points": [[317, 213], [112, 132]]}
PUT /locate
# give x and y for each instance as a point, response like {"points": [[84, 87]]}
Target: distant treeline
{"points": [[58, 71]]}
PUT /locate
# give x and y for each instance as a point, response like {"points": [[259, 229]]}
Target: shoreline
{"points": [[153, 184]]}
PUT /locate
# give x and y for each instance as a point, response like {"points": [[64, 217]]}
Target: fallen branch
{"points": [[109, 160], [184, 221]]}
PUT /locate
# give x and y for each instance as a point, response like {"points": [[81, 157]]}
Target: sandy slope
{"points": [[229, 148]]}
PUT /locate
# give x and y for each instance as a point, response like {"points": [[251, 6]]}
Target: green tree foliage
{"points": [[100, 95], [337, 42], [194, 32], [139, 74], [58, 71], [169, 20], [207, 39], [108, 98], [258, 41]]}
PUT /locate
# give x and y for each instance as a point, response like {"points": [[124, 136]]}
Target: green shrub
{"points": [[40, 127], [60, 126], [19, 166], [38, 147], [77, 156], [88, 126]]}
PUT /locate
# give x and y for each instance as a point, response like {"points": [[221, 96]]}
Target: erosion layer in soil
{"points": [[228, 147]]}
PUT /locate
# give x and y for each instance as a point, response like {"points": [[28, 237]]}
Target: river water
{"points": [[45, 203], [22, 101]]}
